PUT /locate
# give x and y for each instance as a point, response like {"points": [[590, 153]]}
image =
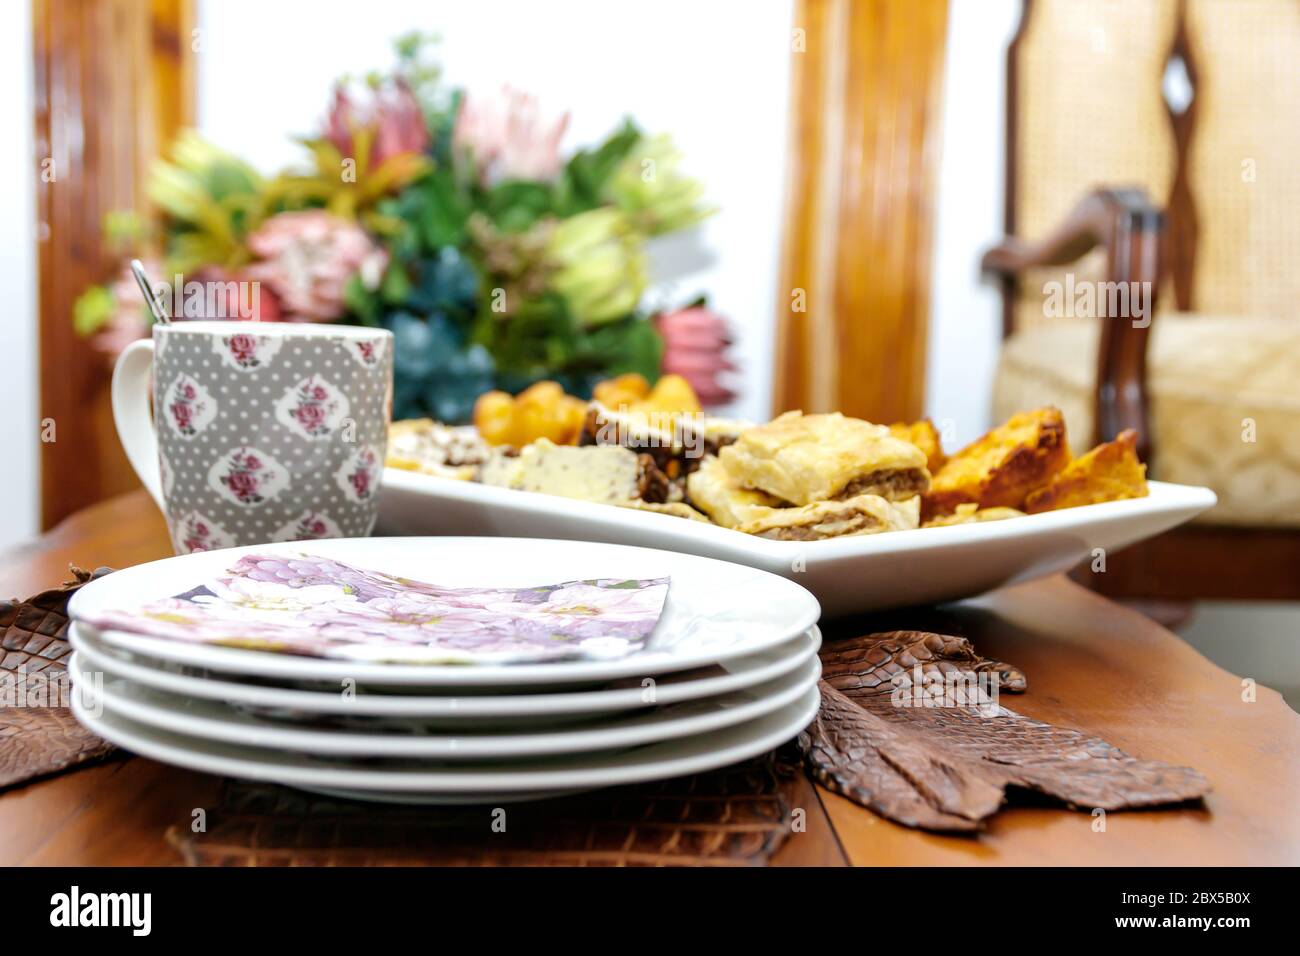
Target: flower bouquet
{"points": [[452, 220]]}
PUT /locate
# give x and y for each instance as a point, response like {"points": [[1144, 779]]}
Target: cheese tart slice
{"points": [[603, 473], [806, 458]]}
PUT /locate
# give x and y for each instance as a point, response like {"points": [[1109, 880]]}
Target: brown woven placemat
{"points": [[736, 816], [38, 734]]}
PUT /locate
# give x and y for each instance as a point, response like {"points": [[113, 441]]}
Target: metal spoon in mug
{"points": [[155, 305]]}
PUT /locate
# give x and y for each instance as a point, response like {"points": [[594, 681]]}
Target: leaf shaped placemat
{"points": [[893, 736], [38, 734], [736, 816]]}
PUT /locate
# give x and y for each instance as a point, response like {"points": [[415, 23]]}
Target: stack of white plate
{"points": [[730, 672]]}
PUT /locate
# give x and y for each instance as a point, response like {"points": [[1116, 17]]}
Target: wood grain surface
{"points": [[1091, 664], [114, 82], [853, 298]]}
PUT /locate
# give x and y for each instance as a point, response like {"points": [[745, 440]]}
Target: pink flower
{"points": [[242, 483], [394, 114], [311, 415], [243, 302], [243, 348], [695, 346], [360, 482], [307, 259], [197, 540], [183, 413], [508, 138]]}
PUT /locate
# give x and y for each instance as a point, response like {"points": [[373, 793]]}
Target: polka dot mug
{"points": [[260, 431]]}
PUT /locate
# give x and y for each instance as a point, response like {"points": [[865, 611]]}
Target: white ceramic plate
{"points": [[213, 721], [715, 610], [848, 575], [474, 783], [673, 688]]}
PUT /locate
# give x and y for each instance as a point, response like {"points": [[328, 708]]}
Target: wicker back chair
{"points": [[1151, 272]]}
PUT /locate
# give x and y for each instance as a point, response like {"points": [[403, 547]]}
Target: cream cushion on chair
{"points": [[1214, 384]]}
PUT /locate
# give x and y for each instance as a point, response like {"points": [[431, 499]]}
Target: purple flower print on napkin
{"points": [[319, 607]]}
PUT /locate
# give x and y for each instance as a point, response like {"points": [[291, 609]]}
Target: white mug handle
{"points": [[131, 414]]}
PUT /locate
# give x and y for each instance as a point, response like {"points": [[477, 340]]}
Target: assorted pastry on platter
{"points": [[796, 478]]}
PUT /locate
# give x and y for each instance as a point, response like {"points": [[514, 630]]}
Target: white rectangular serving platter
{"points": [[848, 575]]}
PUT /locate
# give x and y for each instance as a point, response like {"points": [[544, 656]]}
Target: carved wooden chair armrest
{"points": [[1129, 228]]}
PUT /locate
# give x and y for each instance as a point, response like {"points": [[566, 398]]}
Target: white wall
{"points": [[965, 311], [713, 74], [718, 80], [19, 423]]}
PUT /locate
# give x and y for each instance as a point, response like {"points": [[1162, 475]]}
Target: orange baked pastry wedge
{"points": [[1110, 472], [1001, 469]]}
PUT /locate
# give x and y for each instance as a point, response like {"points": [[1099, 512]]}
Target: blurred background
{"points": [[824, 180]]}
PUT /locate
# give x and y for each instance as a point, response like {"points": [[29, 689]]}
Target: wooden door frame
{"points": [[114, 81], [865, 141]]}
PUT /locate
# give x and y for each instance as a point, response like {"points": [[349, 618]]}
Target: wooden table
{"points": [[1091, 664]]}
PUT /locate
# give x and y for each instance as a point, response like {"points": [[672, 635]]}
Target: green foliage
{"points": [[435, 210], [583, 183], [502, 282], [418, 67], [361, 302], [212, 201], [93, 310], [515, 204], [628, 345], [356, 195], [124, 229]]}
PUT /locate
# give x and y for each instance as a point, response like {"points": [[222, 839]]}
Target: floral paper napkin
{"points": [[319, 607]]}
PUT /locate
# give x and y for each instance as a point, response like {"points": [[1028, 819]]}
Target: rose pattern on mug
{"points": [[245, 351], [194, 532], [268, 433], [308, 526], [189, 406], [313, 408], [247, 476], [368, 352], [359, 475]]}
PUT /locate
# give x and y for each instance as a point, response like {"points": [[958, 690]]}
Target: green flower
{"points": [[212, 200], [649, 187], [601, 270]]}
